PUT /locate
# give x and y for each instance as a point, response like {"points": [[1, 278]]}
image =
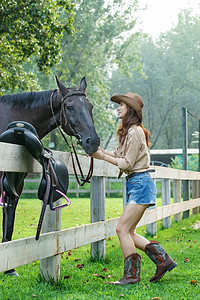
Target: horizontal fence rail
{"points": [[53, 241], [27, 250], [77, 190]]}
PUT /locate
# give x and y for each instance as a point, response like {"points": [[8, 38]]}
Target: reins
{"points": [[83, 179]]}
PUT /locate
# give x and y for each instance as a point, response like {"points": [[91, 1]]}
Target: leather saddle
{"points": [[55, 178]]}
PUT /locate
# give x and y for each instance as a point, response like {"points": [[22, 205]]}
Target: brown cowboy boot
{"points": [[131, 270], [160, 257]]}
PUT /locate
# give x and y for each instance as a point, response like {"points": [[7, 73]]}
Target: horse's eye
{"points": [[69, 107]]}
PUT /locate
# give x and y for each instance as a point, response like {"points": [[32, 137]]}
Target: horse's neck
{"points": [[40, 117], [44, 122]]}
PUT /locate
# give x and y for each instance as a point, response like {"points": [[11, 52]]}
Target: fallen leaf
{"points": [[80, 266], [110, 276], [105, 269], [121, 295], [86, 281], [97, 275], [195, 242], [34, 295], [68, 254], [193, 282], [186, 260], [77, 259], [66, 277]]}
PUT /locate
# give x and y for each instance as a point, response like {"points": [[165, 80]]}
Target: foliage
{"points": [[30, 31], [181, 241], [97, 47], [171, 66], [193, 159]]}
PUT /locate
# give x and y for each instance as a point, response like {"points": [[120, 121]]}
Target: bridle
{"points": [[83, 179], [75, 93]]}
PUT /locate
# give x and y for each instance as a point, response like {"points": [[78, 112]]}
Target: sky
{"points": [[161, 15]]}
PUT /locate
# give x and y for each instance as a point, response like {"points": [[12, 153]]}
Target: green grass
{"points": [[181, 241]]}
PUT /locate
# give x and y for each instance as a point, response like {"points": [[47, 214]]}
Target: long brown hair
{"points": [[131, 118]]}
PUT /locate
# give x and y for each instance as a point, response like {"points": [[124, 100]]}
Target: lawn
{"points": [[90, 281]]}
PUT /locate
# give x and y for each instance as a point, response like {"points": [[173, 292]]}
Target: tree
{"points": [[171, 66], [31, 31], [96, 48]]}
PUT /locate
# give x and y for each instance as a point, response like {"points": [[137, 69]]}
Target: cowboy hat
{"points": [[131, 99]]}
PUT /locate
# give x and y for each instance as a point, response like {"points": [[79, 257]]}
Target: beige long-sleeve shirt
{"points": [[134, 154]]}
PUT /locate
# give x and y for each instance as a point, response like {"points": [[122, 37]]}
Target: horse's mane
{"points": [[27, 100]]}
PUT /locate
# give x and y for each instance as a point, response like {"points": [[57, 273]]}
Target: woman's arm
{"points": [[100, 154], [109, 153]]}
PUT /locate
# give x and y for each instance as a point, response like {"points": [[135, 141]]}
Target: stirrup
{"points": [[60, 206]]}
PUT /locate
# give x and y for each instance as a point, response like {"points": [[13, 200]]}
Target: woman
{"points": [[132, 156]]}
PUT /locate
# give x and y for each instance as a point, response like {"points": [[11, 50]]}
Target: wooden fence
{"points": [[54, 241], [77, 191]]}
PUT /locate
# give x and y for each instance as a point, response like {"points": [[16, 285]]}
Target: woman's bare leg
{"points": [[139, 241], [127, 223]]}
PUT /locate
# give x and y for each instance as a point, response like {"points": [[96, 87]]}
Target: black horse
{"points": [[47, 110]]}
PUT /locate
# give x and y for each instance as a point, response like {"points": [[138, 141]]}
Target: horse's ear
{"points": [[83, 85], [62, 89]]}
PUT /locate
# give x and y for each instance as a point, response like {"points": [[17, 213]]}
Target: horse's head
{"points": [[76, 116]]}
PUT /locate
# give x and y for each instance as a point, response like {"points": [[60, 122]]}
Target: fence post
{"points": [[166, 200], [50, 266], [186, 196], [97, 204], [195, 194], [108, 186], [152, 228], [185, 183], [177, 197], [77, 190]]}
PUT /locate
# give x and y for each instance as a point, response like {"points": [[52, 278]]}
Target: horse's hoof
{"points": [[11, 272]]}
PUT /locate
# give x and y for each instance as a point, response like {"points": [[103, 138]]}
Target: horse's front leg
{"points": [[8, 226], [9, 218]]}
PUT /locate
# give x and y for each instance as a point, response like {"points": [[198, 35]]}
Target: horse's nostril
{"points": [[91, 144], [87, 141]]}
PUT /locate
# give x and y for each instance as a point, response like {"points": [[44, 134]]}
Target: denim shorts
{"points": [[141, 189]]}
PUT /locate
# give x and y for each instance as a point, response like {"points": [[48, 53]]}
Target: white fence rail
{"points": [[54, 241]]}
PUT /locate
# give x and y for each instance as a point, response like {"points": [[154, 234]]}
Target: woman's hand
{"points": [[99, 154]]}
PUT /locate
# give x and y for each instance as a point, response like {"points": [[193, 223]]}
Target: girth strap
{"points": [[45, 202]]}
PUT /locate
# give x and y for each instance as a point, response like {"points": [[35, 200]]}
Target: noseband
{"points": [[83, 180]]}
